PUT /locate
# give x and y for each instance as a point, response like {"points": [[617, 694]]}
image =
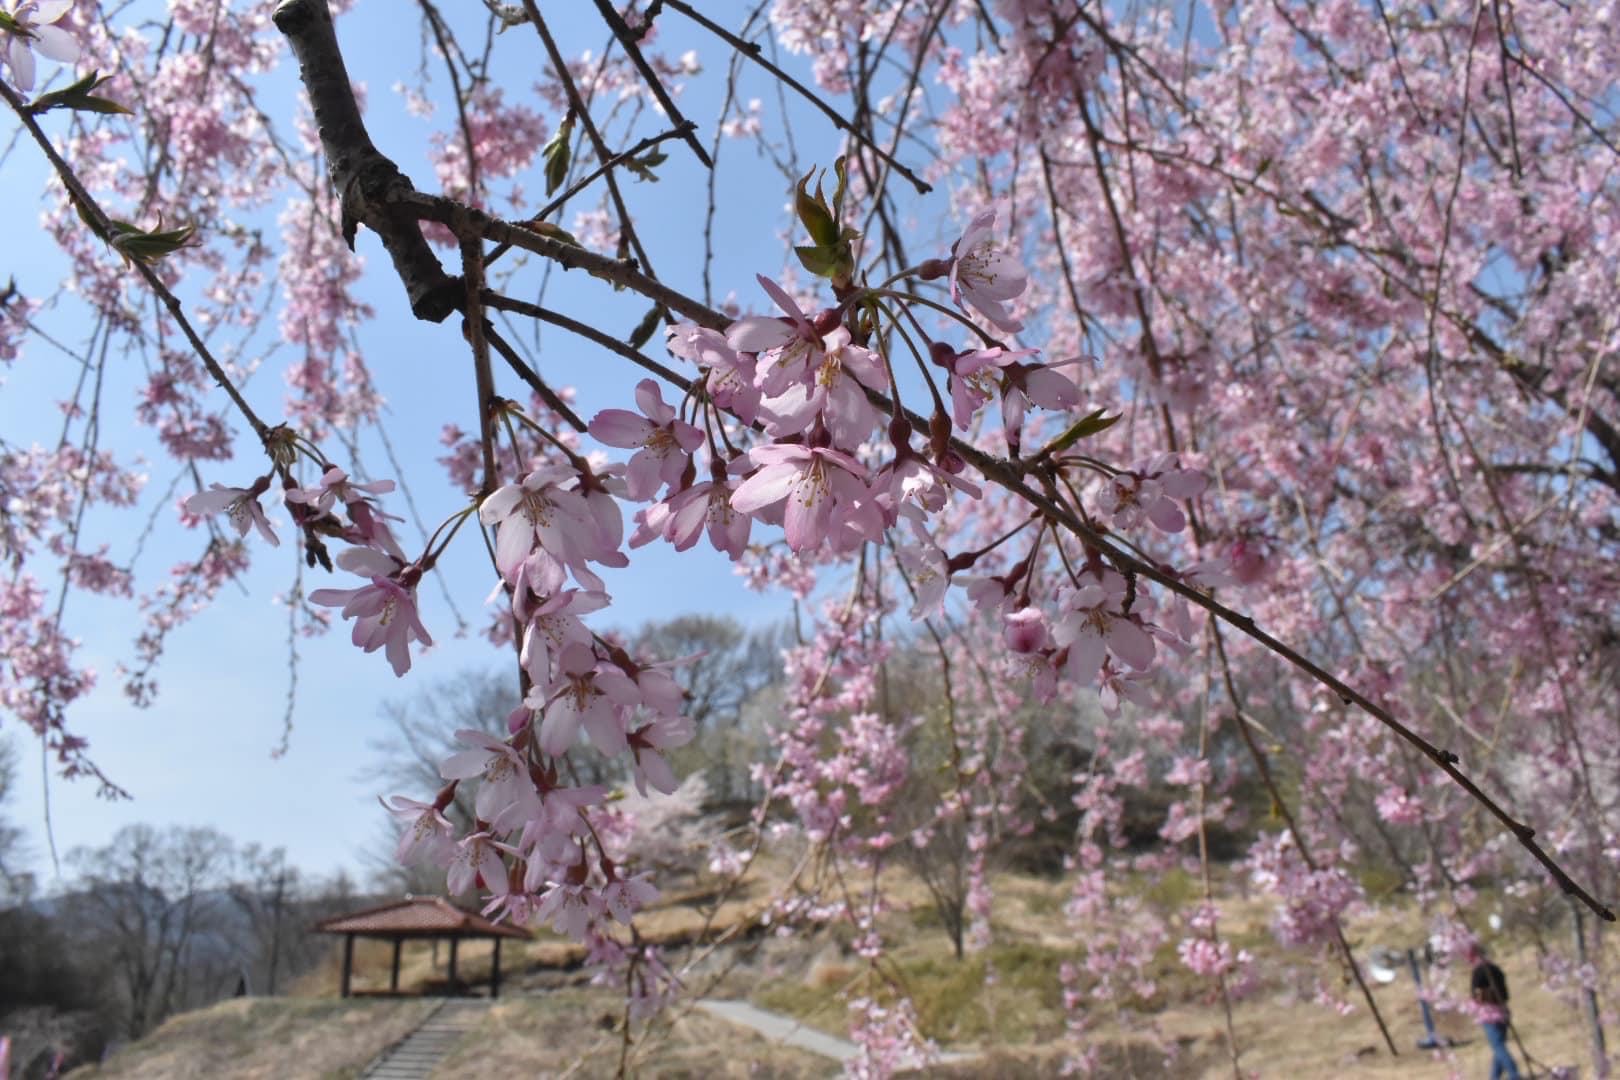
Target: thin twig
{"points": [[473, 326], [532, 378], [627, 42], [581, 109], [580, 185], [103, 227], [751, 50]]}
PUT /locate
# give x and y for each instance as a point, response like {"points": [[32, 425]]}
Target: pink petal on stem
{"points": [[621, 428], [765, 488], [1130, 643]]}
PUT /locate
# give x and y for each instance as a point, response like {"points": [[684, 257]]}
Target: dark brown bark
{"points": [[369, 186]]}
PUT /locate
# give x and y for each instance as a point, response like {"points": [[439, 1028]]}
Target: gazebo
{"points": [[431, 918]]}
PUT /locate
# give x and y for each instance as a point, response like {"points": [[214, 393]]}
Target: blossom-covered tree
{"points": [[1266, 384]]}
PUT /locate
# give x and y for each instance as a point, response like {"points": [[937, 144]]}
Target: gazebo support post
{"points": [[393, 974], [495, 972], [348, 961], [453, 943]]}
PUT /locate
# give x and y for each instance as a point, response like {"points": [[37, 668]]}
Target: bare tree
{"points": [[151, 905], [936, 849], [16, 884], [270, 894]]}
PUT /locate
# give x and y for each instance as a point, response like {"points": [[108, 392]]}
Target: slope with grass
{"points": [[265, 1039], [1002, 1005]]}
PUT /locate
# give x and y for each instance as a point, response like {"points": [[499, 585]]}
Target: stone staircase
{"points": [[415, 1056]]}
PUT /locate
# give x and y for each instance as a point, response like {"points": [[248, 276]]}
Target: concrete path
{"points": [[414, 1057], [790, 1032], [782, 1029]]}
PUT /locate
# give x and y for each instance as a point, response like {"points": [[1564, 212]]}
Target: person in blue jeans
{"points": [[1488, 987]]}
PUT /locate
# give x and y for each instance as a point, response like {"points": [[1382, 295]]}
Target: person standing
{"points": [[1488, 989]]}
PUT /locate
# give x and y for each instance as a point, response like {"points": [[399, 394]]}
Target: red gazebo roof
{"points": [[418, 916]]}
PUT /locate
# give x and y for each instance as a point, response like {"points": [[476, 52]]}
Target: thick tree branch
{"points": [[367, 183]]}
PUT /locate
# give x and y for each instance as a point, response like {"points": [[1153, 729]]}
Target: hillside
{"points": [[265, 1039], [1008, 1025]]}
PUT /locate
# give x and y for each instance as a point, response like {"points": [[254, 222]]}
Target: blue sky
{"points": [[202, 753]]}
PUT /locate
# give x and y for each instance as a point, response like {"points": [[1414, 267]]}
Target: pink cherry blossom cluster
{"points": [[1312, 899], [502, 140], [809, 383], [843, 798], [385, 609], [888, 1037], [40, 678], [538, 847]]}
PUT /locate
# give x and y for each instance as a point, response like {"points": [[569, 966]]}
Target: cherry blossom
{"points": [[553, 624], [336, 487], [665, 443], [624, 896], [1147, 492], [928, 571], [476, 863], [31, 31], [427, 837], [665, 733], [836, 396], [972, 379], [1046, 385], [1026, 630], [820, 493], [384, 612], [368, 525], [584, 693], [547, 510], [1093, 623], [702, 508], [790, 350], [731, 375], [986, 276], [571, 908], [240, 506], [14, 314], [504, 787]]}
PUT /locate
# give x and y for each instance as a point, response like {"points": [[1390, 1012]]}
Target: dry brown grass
{"points": [[1280, 1035], [1280, 1032], [577, 1032], [265, 1039]]}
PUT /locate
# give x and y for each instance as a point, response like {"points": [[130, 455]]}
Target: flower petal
{"points": [[22, 65], [770, 485], [56, 44], [621, 428]]}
